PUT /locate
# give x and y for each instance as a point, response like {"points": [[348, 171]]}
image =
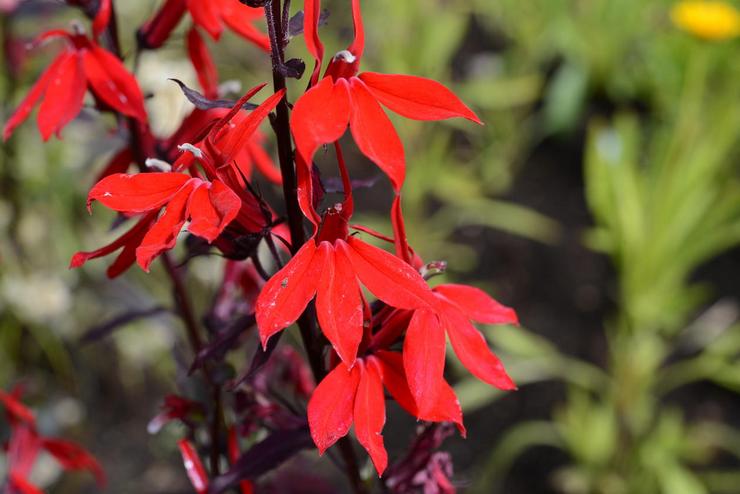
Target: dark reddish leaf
{"points": [[100, 331], [203, 103], [270, 453], [338, 306], [64, 95], [374, 134], [193, 466], [472, 349], [386, 276], [477, 304], [331, 406], [369, 414], [259, 359], [222, 342], [424, 359], [416, 97]]}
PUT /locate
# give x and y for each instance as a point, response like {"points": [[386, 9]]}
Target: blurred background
{"points": [[601, 200]]}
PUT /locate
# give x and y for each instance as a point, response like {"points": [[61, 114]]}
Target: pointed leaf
{"points": [[63, 98], [424, 359], [163, 234], [100, 331], [193, 466], [374, 134], [137, 193], [416, 97], [320, 116], [477, 304], [472, 349], [369, 415], [331, 406], [386, 276], [339, 307], [113, 83], [286, 295], [211, 209]]}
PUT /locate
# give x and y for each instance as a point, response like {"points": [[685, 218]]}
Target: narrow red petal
{"points": [[203, 63], [64, 96], [25, 107], [446, 409], [16, 409], [386, 276], [320, 116], [119, 163], [240, 19], [193, 466], [311, 16], [331, 406], [20, 484], [472, 349], [374, 134], [74, 457], [102, 18], [137, 193], [113, 83], [211, 209], [242, 133], [158, 29], [285, 296], [394, 379], [338, 305], [357, 47], [369, 415], [416, 97], [477, 304], [206, 15], [424, 359], [263, 161], [163, 234]]}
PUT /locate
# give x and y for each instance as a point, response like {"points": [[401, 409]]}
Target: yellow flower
{"points": [[713, 20]]}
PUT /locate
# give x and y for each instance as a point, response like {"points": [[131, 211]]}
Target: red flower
{"points": [[82, 65], [354, 395], [344, 97], [331, 268], [25, 444], [211, 15], [424, 344], [193, 466]]}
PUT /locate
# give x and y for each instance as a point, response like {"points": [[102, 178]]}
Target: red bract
{"points": [[25, 444], [354, 395], [424, 344], [344, 97], [81, 65], [212, 16]]}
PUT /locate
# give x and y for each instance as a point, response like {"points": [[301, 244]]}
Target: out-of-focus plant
{"points": [[665, 197]]}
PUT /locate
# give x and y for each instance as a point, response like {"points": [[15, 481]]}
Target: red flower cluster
{"points": [[26, 443], [396, 342]]}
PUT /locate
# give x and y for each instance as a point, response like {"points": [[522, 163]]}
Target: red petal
{"points": [[338, 305], [64, 95], [287, 293], [416, 97], [374, 134], [239, 18], [386, 276], [137, 193], [242, 133], [472, 349], [101, 18], [369, 415], [113, 84], [206, 15], [162, 235], [16, 409], [25, 107], [22, 485], [203, 64], [320, 116], [399, 231], [193, 466], [211, 209], [156, 31], [394, 379], [358, 44], [446, 409], [73, 457], [119, 163], [263, 161], [424, 359], [331, 406], [477, 304], [311, 16]]}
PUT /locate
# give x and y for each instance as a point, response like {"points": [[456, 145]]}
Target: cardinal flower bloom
{"points": [[354, 395], [344, 97], [81, 65]]}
